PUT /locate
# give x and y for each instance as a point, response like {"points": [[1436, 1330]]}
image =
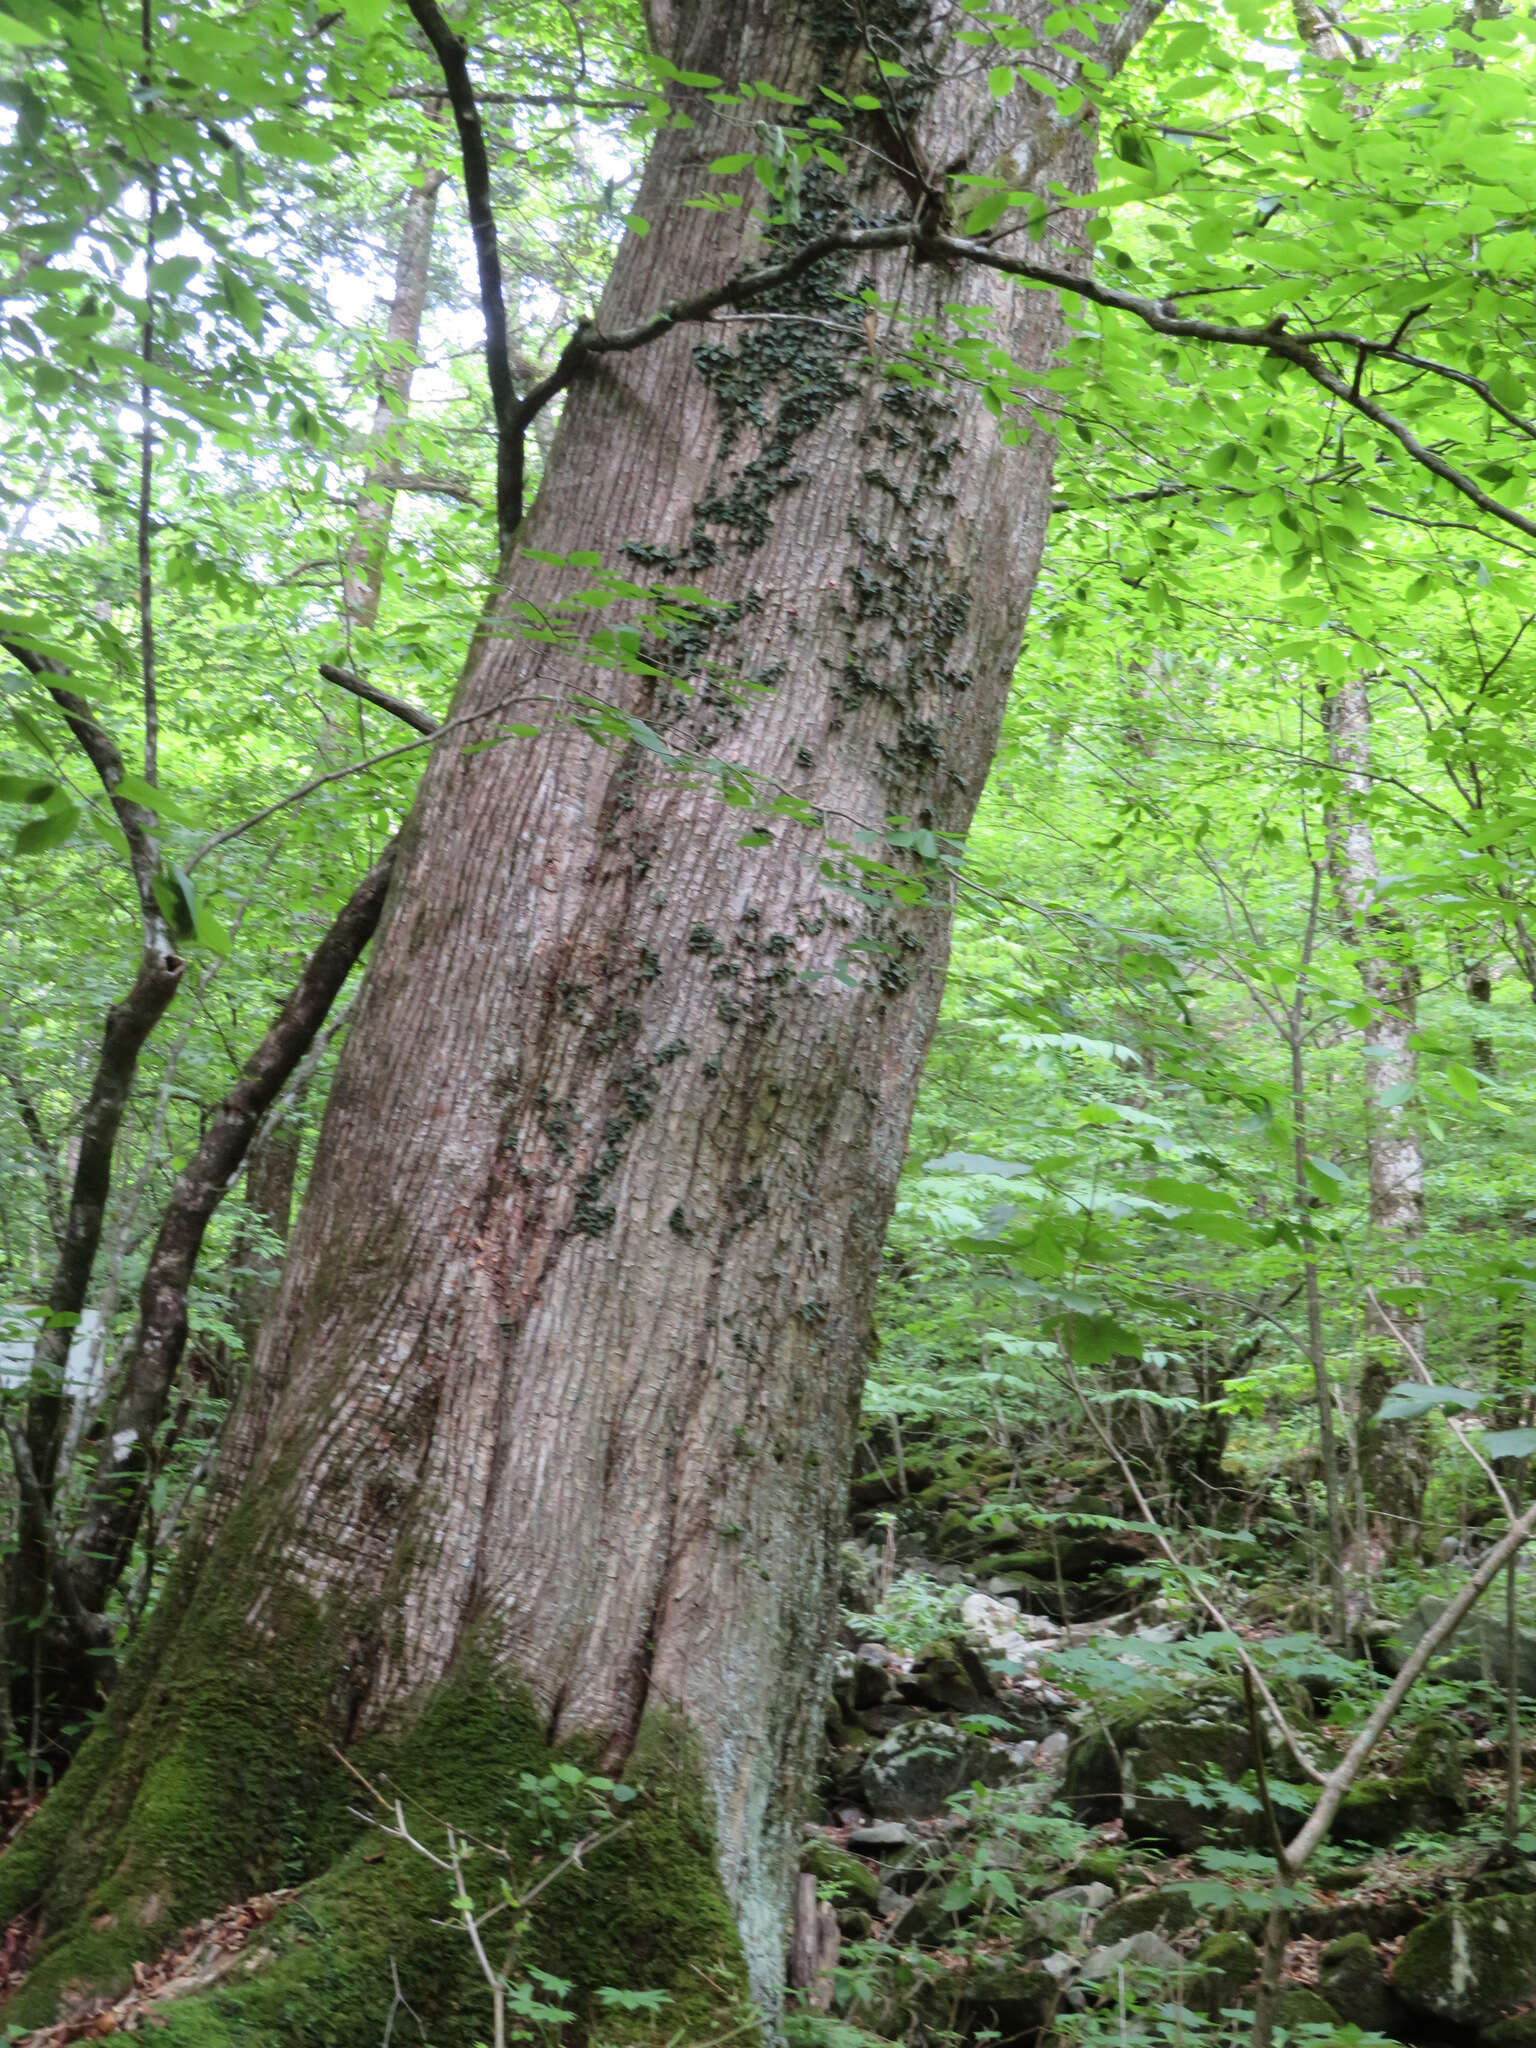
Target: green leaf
{"points": [[51, 829], [20, 34], [1407, 1401], [985, 214], [25, 789], [1463, 1082], [1507, 1443], [151, 797], [299, 145]]}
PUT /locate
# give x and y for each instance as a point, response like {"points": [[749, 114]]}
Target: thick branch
{"points": [[121, 1491], [343, 678], [452, 55], [587, 343]]}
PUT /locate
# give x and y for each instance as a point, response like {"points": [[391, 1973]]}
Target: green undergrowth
{"points": [[215, 1782]]}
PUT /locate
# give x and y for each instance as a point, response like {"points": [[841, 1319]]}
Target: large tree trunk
{"points": [[547, 1440], [1394, 1456]]}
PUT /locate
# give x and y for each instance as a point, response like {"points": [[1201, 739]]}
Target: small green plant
{"points": [[573, 1812], [916, 1613]]}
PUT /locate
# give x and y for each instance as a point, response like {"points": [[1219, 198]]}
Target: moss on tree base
{"points": [[213, 1791]]}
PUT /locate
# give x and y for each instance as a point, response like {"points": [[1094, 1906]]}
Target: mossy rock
{"points": [[1099, 1866], [1350, 1977], [1007, 2001], [1163, 1912], [846, 1876], [952, 1677], [1519, 2032], [1119, 1755], [1372, 1813], [1301, 2006], [912, 1772], [1472, 1964], [1437, 1761], [1377, 1811], [1222, 1970]]}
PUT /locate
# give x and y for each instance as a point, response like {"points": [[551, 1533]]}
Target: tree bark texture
{"points": [[565, 1365], [1393, 1456], [363, 577]]}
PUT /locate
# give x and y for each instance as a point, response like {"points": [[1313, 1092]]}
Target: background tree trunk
{"points": [[548, 1436], [1394, 1459], [363, 578]]}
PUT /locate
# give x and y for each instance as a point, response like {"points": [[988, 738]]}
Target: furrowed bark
{"points": [[552, 1420]]}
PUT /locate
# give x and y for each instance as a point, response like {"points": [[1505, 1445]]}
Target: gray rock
{"points": [[913, 1771], [881, 1837], [1145, 1951], [1052, 1752], [1478, 1645], [1079, 1899]]}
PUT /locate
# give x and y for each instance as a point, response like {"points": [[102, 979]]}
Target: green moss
{"points": [[1471, 1964], [843, 1875], [1146, 1912], [1224, 1966], [199, 1797], [1301, 2006], [1100, 1866], [644, 1911]]}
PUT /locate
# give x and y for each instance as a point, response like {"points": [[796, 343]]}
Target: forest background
{"points": [[1222, 1137]]}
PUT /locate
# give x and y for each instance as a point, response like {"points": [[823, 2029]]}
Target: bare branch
{"points": [[124, 1474], [452, 54], [343, 678], [1161, 315], [47, 1160]]}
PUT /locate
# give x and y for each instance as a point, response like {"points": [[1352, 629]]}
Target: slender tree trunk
{"points": [[62, 1580], [271, 1171], [547, 1442], [363, 576], [1394, 1459], [1317, 1350]]}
